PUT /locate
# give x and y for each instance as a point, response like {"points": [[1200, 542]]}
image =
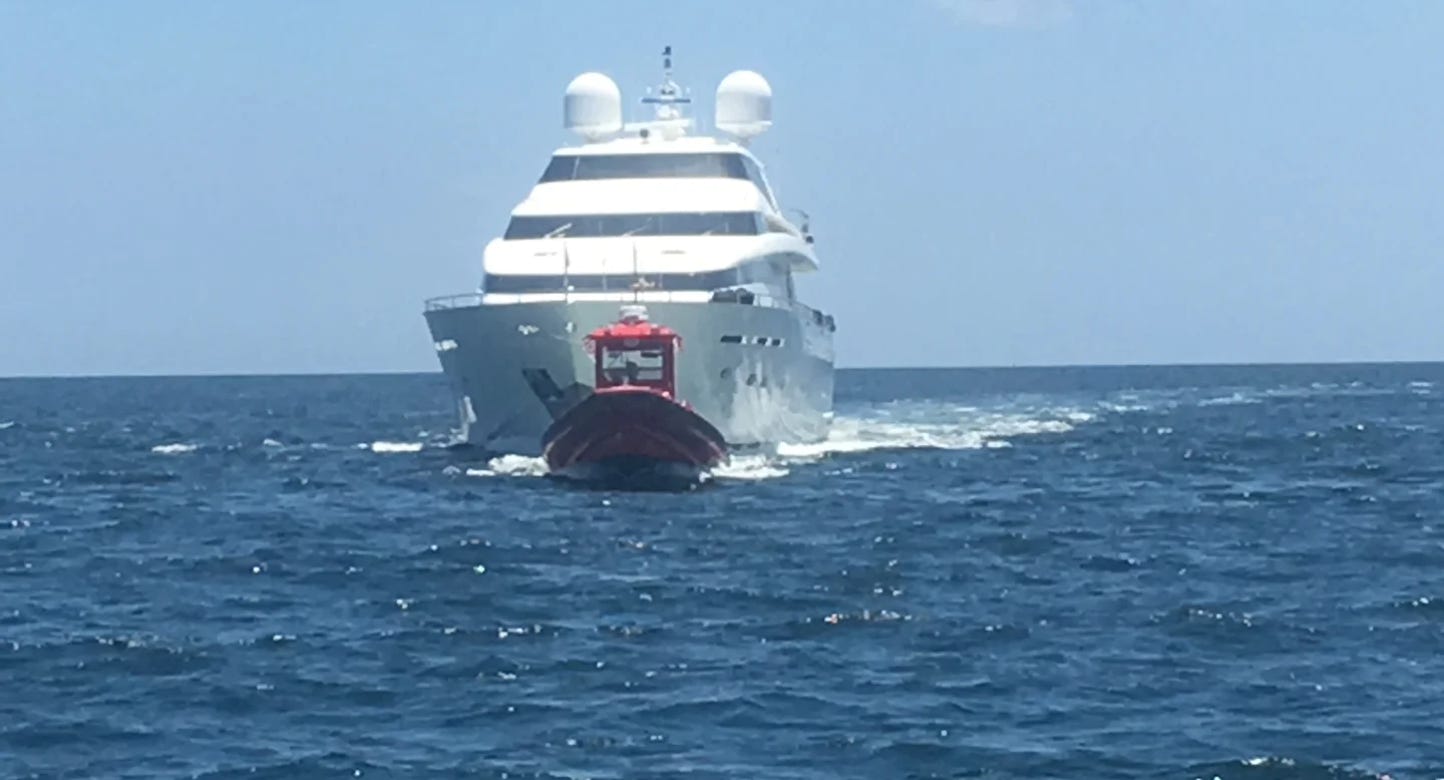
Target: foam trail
{"points": [[749, 468], [932, 426], [897, 425], [511, 466]]}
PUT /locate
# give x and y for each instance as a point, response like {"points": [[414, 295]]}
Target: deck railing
{"points": [[458, 301], [744, 298]]}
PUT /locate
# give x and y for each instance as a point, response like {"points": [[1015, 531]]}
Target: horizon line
{"points": [[974, 367]]}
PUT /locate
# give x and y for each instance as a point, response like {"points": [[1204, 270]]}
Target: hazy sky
{"points": [[276, 186]]}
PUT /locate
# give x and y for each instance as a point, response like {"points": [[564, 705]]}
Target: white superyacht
{"points": [[645, 213]]}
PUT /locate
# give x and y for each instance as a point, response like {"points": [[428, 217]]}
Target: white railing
{"points": [[743, 298], [458, 301]]}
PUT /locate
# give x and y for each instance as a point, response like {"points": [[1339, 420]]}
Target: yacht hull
{"points": [[761, 375]]}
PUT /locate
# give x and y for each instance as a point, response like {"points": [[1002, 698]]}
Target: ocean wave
{"points": [[1282, 768], [1234, 395], [392, 447], [1123, 407], [7, 424], [174, 448], [1331, 390], [1232, 399]]}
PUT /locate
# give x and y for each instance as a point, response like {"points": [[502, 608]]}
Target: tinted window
{"points": [[770, 271], [722, 223], [560, 169], [709, 165], [644, 364], [754, 174], [775, 225], [706, 281]]}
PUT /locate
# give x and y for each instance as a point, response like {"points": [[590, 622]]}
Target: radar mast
{"points": [[667, 99]]}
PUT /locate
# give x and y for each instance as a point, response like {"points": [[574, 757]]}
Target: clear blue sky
{"points": [[275, 186]]}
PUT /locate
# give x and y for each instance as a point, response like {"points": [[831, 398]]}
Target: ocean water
{"points": [[1061, 573]]}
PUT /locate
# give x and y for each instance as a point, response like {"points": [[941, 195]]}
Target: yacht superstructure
{"points": [[645, 213]]}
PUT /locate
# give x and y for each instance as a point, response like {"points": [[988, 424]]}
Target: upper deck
{"points": [[688, 174], [651, 197]]}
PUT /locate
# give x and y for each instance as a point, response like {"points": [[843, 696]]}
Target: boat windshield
{"points": [[703, 165], [716, 223], [671, 165], [642, 364]]}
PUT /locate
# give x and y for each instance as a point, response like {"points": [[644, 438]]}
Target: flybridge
{"points": [[592, 107]]}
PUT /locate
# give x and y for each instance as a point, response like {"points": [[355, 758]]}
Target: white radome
{"points": [[744, 104], [592, 107]]}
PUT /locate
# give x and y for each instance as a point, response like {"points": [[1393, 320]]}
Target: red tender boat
{"points": [[633, 424]]}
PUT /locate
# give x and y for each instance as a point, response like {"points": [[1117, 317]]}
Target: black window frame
{"points": [[603, 167], [666, 165], [752, 272], [703, 281], [679, 223], [754, 175]]}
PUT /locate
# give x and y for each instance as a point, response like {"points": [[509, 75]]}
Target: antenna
{"points": [[669, 95]]}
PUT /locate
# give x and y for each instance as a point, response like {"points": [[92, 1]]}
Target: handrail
{"points": [[466, 300], [458, 301]]}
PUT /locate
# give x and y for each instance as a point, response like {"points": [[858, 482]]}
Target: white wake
{"points": [[931, 426], [899, 425], [510, 466]]}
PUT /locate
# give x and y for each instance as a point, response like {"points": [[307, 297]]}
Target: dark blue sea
{"points": [[1212, 572]]}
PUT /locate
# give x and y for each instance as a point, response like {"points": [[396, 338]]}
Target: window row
{"points": [[671, 165], [717, 223], [757, 272]]}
